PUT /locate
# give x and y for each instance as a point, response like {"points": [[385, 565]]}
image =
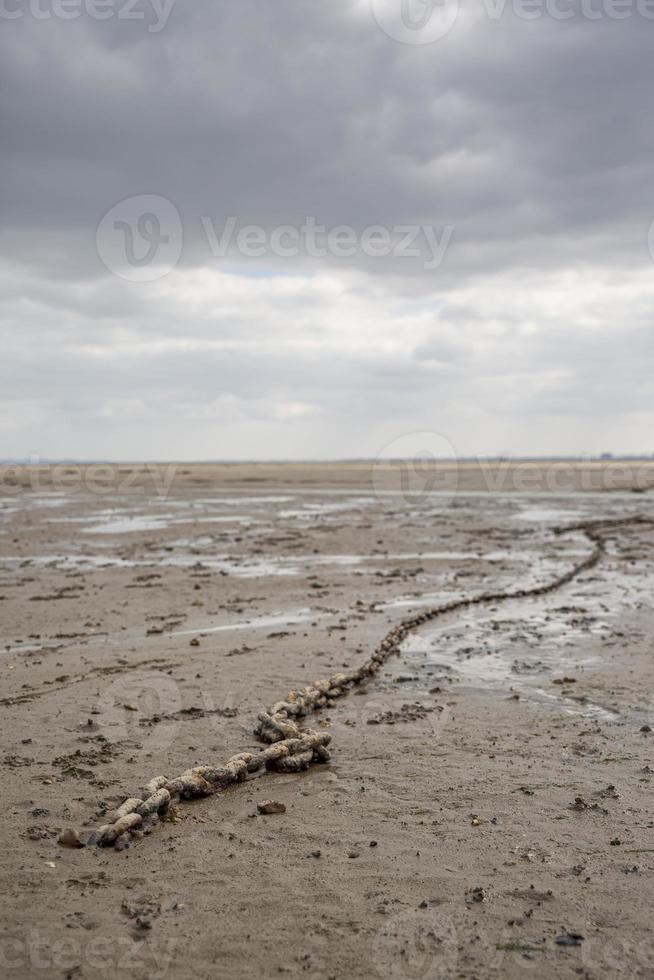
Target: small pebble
{"points": [[70, 838], [569, 939], [271, 806]]}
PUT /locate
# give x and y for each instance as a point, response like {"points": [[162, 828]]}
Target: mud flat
{"points": [[487, 810]]}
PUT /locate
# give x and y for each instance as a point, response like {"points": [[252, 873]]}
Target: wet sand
{"points": [[489, 795]]}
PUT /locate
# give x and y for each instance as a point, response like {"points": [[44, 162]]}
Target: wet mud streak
{"points": [[292, 748]]}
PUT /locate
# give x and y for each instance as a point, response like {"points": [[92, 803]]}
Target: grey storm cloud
{"points": [[527, 138]]}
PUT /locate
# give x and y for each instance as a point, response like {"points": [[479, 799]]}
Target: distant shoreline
{"points": [[344, 461]]}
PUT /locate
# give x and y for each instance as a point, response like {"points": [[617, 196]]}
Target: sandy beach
{"points": [[487, 810]]}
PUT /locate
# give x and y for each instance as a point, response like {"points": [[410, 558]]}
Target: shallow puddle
{"points": [[522, 645], [292, 618], [554, 515]]}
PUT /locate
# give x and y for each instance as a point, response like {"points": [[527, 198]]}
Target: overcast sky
{"points": [[512, 157]]}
